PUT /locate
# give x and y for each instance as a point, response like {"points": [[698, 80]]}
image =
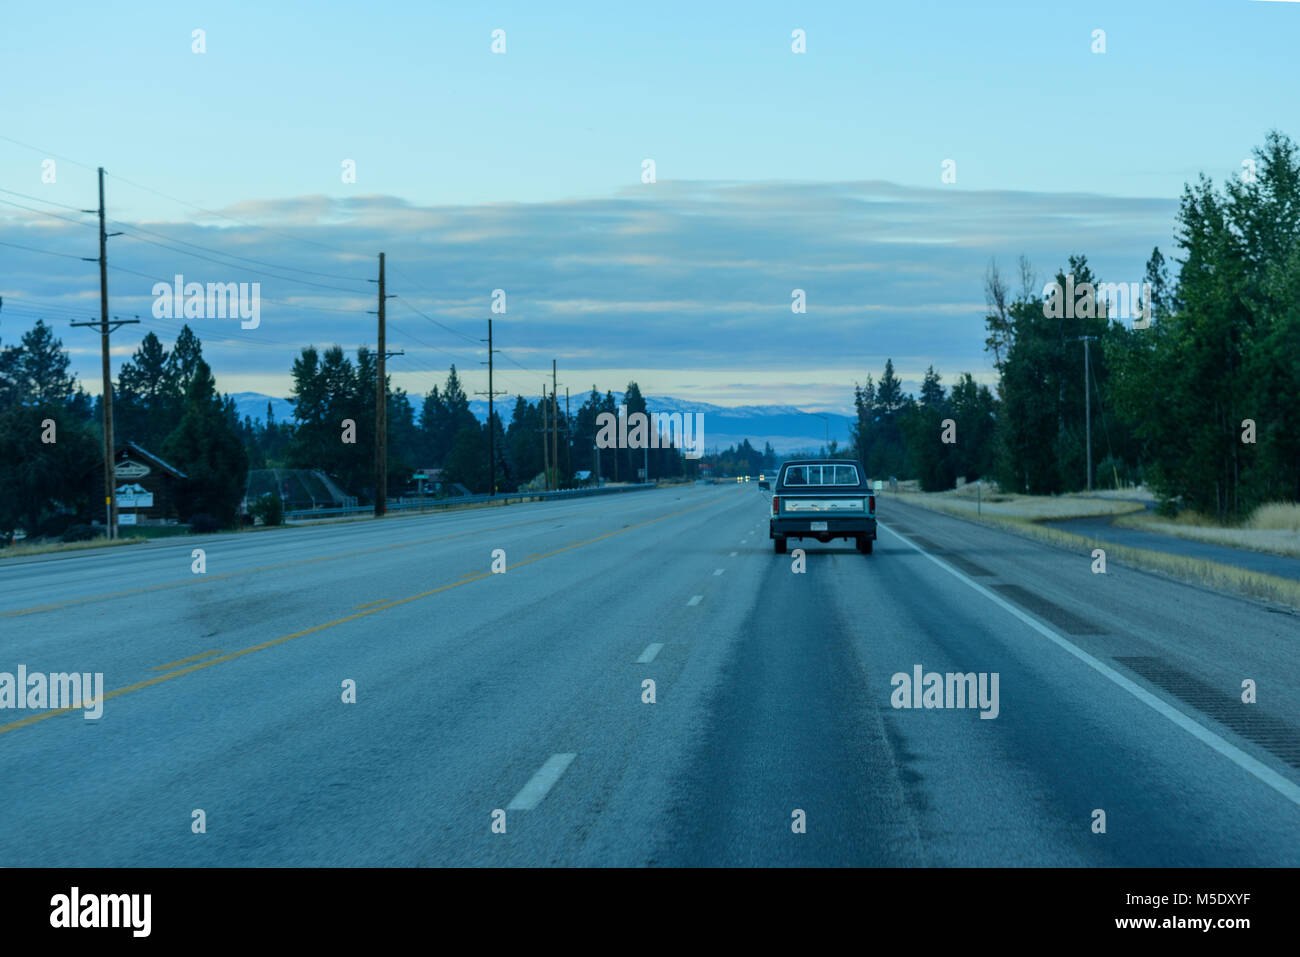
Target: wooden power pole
{"points": [[555, 428], [546, 446], [381, 404], [492, 432], [106, 401], [381, 411]]}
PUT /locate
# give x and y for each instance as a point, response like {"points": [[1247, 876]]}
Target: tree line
{"points": [[1201, 403], [166, 401], [329, 389], [51, 440], [1199, 399], [897, 435]]}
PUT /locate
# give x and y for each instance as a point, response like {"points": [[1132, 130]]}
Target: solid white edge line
{"points": [[1261, 771], [651, 651], [718, 571], [695, 600], [540, 784]]}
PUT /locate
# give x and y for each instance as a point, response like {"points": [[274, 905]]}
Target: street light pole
{"points": [[1087, 403], [826, 419]]}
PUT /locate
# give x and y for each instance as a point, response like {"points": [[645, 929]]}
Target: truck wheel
{"points": [[778, 545], [865, 542]]}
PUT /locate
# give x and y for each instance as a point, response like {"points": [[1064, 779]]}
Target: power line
{"points": [[34, 304], [428, 345], [31, 315], [185, 252], [171, 243], [260, 262], [37, 149], [524, 367], [174, 199], [232, 338], [209, 212], [440, 325], [39, 199], [47, 252], [132, 228], [140, 229], [46, 212], [278, 302], [455, 331]]}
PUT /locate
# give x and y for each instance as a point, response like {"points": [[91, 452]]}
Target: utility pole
{"points": [[568, 435], [492, 432], [546, 446], [555, 428], [106, 401], [381, 405], [381, 411], [1087, 403], [1087, 409]]}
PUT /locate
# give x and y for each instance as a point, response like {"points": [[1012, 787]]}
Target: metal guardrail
{"points": [[436, 503]]}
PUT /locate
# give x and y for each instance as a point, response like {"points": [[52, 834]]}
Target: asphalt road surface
{"points": [[522, 693]]}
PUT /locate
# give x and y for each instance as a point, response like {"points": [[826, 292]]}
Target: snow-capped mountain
{"points": [[788, 428], [252, 405]]}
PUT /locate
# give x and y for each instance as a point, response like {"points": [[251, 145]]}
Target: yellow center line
{"points": [[43, 715], [367, 604], [200, 579], [186, 661]]}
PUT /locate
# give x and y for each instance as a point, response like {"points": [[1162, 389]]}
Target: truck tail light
{"points": [[776, 505], [871, 504]]}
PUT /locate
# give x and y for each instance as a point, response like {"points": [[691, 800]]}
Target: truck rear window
{"points": [[821, 475]]}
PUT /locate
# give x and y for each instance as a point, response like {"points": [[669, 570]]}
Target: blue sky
{"points": [[523, 171]]}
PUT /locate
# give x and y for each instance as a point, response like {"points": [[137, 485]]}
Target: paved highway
{"points": [[523, 692]]}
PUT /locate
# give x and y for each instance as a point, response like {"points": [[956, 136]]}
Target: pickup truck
{"points": [[822, 499]]}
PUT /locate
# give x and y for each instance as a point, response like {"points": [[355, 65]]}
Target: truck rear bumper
{"points": [[835, 528]]}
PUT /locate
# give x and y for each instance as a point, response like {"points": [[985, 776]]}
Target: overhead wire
{"points": [[46, 252], [46, 212], [134, 232], [129, 233]]}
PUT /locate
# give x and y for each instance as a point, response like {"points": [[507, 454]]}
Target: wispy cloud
{"points": [[684, 286]]}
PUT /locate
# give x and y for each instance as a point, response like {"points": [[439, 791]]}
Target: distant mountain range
{"points": [[788, 428]]}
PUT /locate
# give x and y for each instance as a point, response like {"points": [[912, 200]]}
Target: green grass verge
{"points": [[1198, 571], [1273, 541], [1032, 508]]}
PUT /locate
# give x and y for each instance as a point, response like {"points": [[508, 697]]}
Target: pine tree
{"points": [[147, 404], [208, 450]]}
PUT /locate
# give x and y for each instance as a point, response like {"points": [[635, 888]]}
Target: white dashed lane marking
{"points": [[650, 652], [695, 600], [541, 783]]}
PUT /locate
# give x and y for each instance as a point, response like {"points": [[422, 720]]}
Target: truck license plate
{"points": [[817, 526]]}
